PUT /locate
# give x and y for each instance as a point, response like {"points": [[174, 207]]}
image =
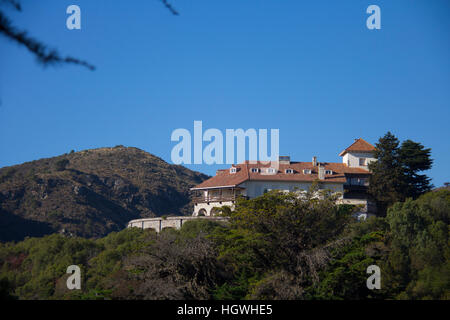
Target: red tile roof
{"points": [[360, 145], [224, 178]]}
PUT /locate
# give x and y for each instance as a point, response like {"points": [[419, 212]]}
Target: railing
{"points": [[215, 198], [356, 187], [360, 183]]}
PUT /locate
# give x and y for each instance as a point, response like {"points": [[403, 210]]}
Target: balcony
{"points": [[214, 198], [356, 183], [355, 188], [218, 196]]}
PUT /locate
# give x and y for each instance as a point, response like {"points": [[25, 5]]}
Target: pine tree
{"points": [[387, 181], [395, 175], [415, 158]]}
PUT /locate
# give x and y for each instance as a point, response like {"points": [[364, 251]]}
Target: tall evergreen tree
{"points": [[395, 174], [415, 158], [387, 182]]}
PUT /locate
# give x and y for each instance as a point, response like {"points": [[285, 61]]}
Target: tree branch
{"points": [[43, 55], [14, 3], [169, 6]]}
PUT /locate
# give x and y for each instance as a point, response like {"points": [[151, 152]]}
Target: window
{"points": [[362, 161], [271, 170], [306, 171], [233, 170], [328, 171], [254, 170], [289, 171]]}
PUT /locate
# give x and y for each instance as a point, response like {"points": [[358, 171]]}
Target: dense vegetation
{"points": [[91, 193], [274, 247]]}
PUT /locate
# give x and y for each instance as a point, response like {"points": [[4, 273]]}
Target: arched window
{"points": [[201, 213]]}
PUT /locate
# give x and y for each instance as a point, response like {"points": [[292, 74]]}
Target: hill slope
{"points": [[91, 193]]}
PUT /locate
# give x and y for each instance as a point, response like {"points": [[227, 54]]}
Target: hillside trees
{"points": [[278, 243], [345, 276], [418, 266], [276, 246], [173, 267]]}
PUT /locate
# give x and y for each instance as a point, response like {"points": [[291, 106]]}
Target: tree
{"points": [[395, 174], [418, 265], [41, 52], [415, 158], [387, 181], [172, 268], [278, 243], [274, 247]]}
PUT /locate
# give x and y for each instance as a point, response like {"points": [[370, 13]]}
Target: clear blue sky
{"points": [[309, 68]]}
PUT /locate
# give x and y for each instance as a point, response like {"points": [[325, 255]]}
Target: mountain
{"points": [[91, 193]]}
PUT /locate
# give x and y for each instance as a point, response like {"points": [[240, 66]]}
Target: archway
{"points": [[201, 213], [168, 229], [215, 211]]}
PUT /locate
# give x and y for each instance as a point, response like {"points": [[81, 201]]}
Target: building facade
{"points": [[251, 179]]}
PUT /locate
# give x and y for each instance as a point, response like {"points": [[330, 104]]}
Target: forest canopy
{"points": [[276, 246]]}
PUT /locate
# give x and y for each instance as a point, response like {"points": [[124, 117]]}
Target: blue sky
{"points": [[308, 68]]}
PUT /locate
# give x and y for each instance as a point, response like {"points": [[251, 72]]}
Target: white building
{"points": [[252, 179]]}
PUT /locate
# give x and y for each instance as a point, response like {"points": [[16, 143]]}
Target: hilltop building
{"points": [[252, 179]]}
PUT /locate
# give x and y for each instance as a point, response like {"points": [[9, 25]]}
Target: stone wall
{"points": [[160, 223]]}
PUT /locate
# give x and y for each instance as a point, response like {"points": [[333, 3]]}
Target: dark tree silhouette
{"points": [[43, 54]]}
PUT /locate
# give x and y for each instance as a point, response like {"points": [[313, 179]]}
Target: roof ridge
{"points": [[356, 140], [359, 140]]}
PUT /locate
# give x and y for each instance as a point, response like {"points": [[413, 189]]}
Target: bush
{"points": [[61, 165]]}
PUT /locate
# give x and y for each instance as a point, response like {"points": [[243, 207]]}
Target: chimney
{"points": [[314, 161], [321, 172], [284, 160]]}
